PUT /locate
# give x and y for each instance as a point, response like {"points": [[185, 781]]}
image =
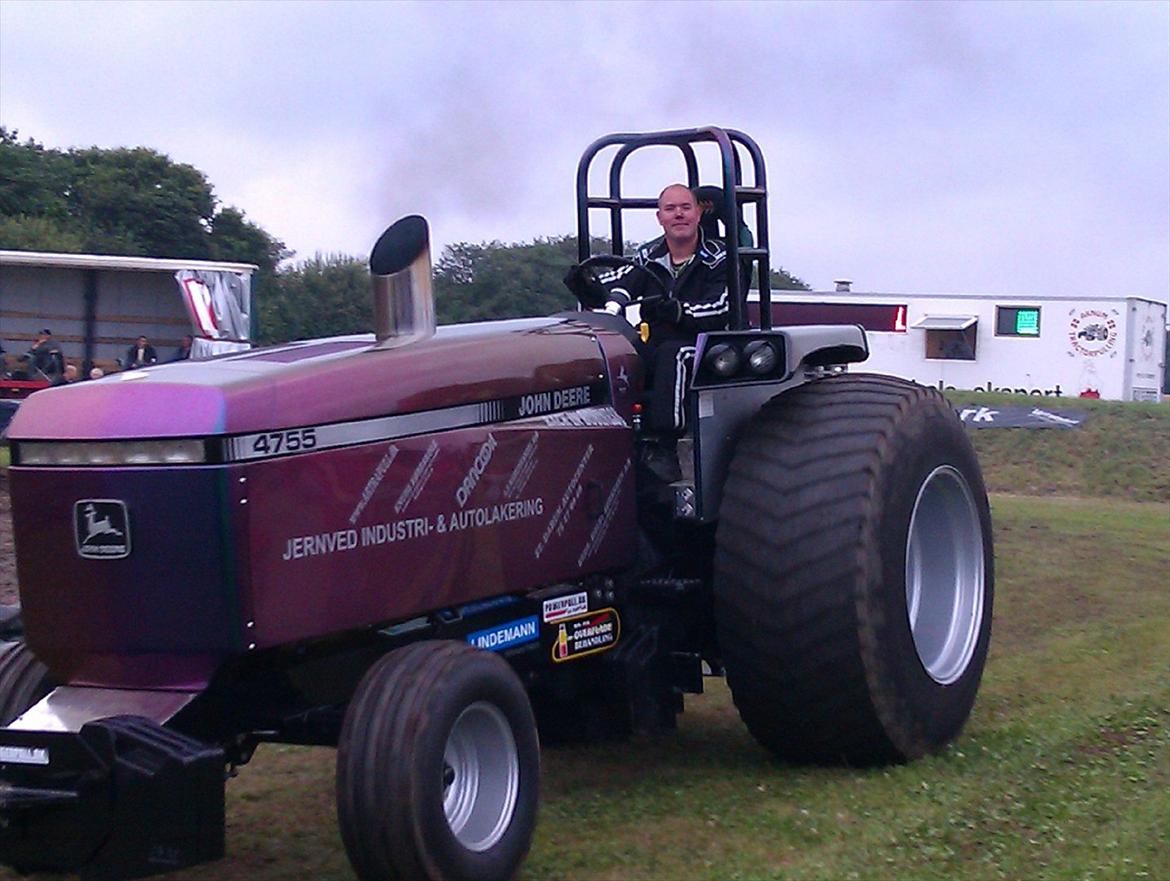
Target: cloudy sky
{"points": [[921, 147]]}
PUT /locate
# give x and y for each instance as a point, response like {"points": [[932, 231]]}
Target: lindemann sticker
{"points": [[564, 607], [587, 634], [101, 529], [507, 635]]}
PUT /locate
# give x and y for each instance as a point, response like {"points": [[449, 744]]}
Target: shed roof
{"points": [[107, 261]]}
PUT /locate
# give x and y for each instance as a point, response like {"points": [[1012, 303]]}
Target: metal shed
{"points": [[97, 305]]}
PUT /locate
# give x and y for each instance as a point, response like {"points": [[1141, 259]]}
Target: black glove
{"points": [[662, 311], [585, 287]]}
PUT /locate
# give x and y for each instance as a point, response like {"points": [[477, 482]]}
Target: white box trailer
{"points": [[1093, 347]]}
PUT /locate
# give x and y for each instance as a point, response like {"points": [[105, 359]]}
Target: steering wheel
{"points": [[595, 295]]}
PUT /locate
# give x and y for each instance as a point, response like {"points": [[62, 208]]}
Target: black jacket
{"points": [[701, 287], [149, 356]]}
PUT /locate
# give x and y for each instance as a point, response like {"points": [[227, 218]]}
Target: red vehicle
{"points": [[426, 546]]}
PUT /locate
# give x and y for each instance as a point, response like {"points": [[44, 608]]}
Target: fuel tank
{"points": [[170, 518]]}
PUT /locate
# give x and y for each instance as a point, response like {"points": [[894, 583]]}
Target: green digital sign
{"points": [[1028, 322], [1017, 321]]}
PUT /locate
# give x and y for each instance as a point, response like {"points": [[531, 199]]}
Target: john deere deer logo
{"points": [[101, 528]]}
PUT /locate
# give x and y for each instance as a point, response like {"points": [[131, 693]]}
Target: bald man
{"points": [[692, 268]]}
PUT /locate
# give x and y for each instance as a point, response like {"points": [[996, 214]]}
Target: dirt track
{"points": [[7, 557]]}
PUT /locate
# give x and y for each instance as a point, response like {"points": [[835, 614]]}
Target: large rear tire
{"points": [[438, 767], [23, 680], [854, 572]]}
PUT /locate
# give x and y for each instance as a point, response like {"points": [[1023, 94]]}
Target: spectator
{"points": [[96, 373], [68, 375], [44, 359], [141, 354], [183, 353]]}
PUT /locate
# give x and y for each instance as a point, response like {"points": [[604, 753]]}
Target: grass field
{"points": [[1062, 773], [1122, 450]]}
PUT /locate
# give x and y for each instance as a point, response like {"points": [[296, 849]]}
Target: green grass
{"points": [[1062, 773], [1122, 450]]}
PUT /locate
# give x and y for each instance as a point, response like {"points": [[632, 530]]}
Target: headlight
{"points": [[761, 357], [723, 359], [184, 451]]}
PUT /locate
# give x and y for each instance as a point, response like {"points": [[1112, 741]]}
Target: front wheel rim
{"points": [[945, 575], [481, 776]]}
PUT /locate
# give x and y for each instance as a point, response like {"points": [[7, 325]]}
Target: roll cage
{"points": [[735, 195]]}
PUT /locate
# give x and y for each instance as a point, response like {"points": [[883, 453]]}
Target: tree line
{"points": [[138, 202]]}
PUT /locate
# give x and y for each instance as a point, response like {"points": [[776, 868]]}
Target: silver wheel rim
{"points": [[945, 575], [481, 776]]}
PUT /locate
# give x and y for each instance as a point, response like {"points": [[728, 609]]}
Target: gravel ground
{"points": [[7, 557]]}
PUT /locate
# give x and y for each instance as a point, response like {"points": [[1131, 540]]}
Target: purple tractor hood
{"points": [[318, 381], [343, 487]]}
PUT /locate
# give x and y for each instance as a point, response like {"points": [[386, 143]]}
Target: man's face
{"points": [[142, 342], [678, 214]]}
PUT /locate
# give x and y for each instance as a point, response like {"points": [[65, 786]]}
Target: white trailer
{"points": [[1093, 347]]}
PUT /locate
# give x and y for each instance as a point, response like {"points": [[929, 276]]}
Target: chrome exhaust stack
{"points": [[400, 272]]}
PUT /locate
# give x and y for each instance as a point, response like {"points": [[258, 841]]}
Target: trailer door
{"points": [[1145, 348]]}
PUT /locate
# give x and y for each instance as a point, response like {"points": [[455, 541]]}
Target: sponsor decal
{"points": [[564, 607], [506, 636], [589, 417], [1092, 332], [482, 458], [569, 500], [101, 529], [523, 469], [24, 755], [584, 635], [409, 528], [601, 527], [1020, 417], [418, 480], [372, 484]]}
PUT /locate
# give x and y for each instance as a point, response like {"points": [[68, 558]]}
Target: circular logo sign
{"points": [[1092, 332]]}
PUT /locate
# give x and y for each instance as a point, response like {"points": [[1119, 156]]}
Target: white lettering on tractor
{"points": [[418, 480], [523, 469], [375, 480], [601, 527], [322, 543], [560, 399], [482, 458], [568, 502], [531, 405]]}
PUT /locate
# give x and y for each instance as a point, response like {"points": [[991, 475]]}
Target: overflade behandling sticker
{"points": [[587, 634]]}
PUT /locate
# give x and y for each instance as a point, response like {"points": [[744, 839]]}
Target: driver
{"points": [[691, 268]]}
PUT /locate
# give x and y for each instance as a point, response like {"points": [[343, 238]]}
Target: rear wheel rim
{"points": [[945, 577], [481, 776]]}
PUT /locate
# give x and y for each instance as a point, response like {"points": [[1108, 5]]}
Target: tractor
{"points": [[435, 548]]}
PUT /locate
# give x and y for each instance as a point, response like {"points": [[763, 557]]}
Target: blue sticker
{"points": [[507, 635]]}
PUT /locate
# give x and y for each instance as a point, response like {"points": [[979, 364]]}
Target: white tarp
{"points": [[219, 303]]}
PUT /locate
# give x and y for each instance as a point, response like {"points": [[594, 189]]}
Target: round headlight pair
{"points": [[726, 359]]}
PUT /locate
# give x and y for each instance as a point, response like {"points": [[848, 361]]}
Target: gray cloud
{"points": [[1014, 147]]}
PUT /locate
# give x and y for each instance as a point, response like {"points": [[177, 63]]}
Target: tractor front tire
{"points": [[438, 767], [854, 572], [23, 680]]}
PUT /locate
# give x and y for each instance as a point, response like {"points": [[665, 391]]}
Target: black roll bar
{"points": [[735, 194]]}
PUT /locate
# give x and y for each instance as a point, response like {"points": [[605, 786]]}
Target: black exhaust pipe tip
{"points": [[400, 245]]}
